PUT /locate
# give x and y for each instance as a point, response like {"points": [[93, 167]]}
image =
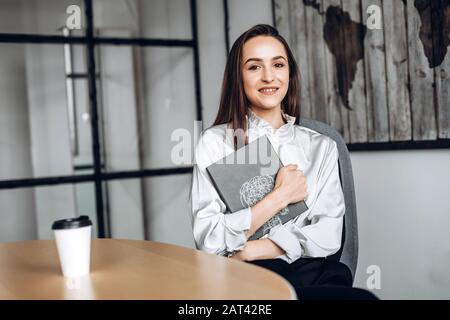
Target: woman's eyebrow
{"points": [[259, 59]]}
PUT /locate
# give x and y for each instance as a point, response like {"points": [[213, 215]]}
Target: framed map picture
{"points": [[376, 70]]}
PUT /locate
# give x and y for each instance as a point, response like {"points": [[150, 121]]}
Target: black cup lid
{"points": [[72, 223]]}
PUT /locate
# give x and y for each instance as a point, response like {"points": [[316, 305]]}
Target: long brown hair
{"points": [[234, 104]]}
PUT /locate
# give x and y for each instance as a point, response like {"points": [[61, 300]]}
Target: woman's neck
{"points": [[272, 116]]}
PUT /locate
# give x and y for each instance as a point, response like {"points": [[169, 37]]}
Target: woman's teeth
{"points": [[268, 91]]}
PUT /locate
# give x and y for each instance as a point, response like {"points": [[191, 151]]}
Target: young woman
{"points": [[260, 96]]}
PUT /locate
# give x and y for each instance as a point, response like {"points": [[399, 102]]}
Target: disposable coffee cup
{"points": [[73, 240]]}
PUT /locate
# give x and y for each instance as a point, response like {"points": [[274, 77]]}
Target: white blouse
{"points": [[315, 233]]}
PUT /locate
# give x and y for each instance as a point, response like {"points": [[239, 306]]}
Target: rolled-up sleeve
{"points": [[321, 236], [287, 241], [215, 229]]}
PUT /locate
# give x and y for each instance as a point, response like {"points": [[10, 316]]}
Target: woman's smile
{"points": [[268, 91]]}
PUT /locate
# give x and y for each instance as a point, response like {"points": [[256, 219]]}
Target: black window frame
{"points": [[90, 41]]}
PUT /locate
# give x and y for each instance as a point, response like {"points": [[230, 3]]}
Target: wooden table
{"points": [[130, 269]]}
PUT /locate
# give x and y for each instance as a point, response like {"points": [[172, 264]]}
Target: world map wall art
{"points": [[382, 88]]}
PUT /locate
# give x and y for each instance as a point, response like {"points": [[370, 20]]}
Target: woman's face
{"points": [[265, 72]]}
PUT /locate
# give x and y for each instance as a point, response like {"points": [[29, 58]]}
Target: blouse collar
{"points": [[284, 134]]}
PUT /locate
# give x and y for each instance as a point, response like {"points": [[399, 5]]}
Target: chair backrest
{"points": [[348, 254]]}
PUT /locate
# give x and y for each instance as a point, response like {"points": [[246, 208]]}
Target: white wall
{"points": [[403, 201]]}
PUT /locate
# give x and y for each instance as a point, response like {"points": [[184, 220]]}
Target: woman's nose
{"points": [[267, 75]]}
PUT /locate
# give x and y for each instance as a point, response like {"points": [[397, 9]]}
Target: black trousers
{"points": [[317, 278]]}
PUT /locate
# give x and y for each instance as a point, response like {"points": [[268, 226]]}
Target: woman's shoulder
{"points": [[212, 144], [217, 135], [313, 139], [216, 132]]}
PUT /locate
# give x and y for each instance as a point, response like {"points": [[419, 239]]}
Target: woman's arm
{"points": [[290, 187], [322, 236], [259, 249], [265, 209], [217, 231]]}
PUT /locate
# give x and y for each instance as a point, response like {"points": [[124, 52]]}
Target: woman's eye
{"points": [[279, 65], [254, 67]]}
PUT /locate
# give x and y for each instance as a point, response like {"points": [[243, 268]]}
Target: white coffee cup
{"points": [[73, 240]]}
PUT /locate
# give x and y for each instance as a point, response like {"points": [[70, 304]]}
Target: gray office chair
{"points": [[348, 254]]}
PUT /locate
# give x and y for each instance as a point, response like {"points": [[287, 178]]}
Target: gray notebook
{"points": [[246, 176]]}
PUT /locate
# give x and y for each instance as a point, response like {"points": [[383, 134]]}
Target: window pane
{"points": [[126, 208], [118, 104], [157, 208], [169, 95], [168, 210], [144, 19], [28, 213], [46, 17], [147, 94], [44, 119]]}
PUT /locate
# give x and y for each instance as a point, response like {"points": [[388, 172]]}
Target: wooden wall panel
{"points": [[421, 76], [282, 18], [442, 78], [373, 85], [441, 45], [356, 95], [316, 64], [397, 70], [299, 46], [375, 77], [338, 113]]}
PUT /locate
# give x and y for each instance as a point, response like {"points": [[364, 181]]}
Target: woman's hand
{"points": [[290, 184], [290, 187], [248, 253]]}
